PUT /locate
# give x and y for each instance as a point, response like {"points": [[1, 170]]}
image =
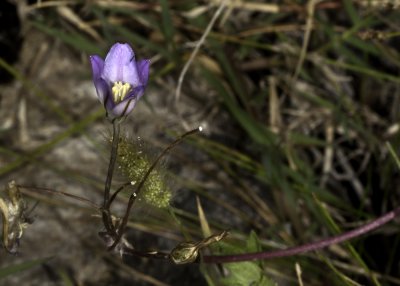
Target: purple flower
{"points": [[120, 80]]}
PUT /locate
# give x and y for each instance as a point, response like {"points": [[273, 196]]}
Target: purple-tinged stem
{"points": [[113, 158], [306, 247], [108, 224]]}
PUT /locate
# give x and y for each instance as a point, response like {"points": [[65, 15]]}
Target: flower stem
{"points": [[306, 247], [113, 158]]}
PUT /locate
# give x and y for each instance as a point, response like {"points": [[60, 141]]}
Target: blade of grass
{"points": [[393, 153], [257, 132], [76, 41], [26, 265], [67, 281], [336, 230], [167, 26], [32, 88], [140, 40], [205, 227], [235, 81], [346, 280], [351, 11], [364, 71], [41, 150]]}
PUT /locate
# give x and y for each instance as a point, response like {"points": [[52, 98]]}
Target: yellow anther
{"points": [[120, 90]]}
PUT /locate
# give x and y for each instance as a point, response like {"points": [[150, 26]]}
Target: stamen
{"points": [[120, 90]]}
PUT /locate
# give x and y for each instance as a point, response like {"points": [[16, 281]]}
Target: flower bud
{"points": [[187, 252]]}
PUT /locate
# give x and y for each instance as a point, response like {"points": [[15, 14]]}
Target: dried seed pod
{"points": [[187, 252], [13, 214]]}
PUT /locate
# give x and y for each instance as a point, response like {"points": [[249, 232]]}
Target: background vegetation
{"points": [[299, 101]]}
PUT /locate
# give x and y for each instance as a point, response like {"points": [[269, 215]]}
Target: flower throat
{"points": [[120, 90]]}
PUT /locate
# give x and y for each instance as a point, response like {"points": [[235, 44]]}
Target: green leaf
{"points": [[244, 273], [252, 243], [351, 11]]}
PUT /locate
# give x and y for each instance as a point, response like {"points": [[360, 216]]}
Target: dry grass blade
{"points": [[275, 118], [205, 227], [195, 12], [380, 4], [299, 273], [328, 153], [196, 50], [125, 4], [47, 4], [309, 24], [272, 29], [72, 17], [251, 6]]}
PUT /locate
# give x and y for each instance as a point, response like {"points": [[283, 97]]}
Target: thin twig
{"points": [[114, 195], [148, 254]]}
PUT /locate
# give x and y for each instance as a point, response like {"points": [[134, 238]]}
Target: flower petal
{"points": [[143, 67], [100, 85], [102, 89], [97, 66], [123, 108], [120, 65], [137, 92], [108, 101]]}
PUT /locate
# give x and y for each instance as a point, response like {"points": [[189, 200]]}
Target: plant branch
{"points": [[114, 195], [132, 198]]}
